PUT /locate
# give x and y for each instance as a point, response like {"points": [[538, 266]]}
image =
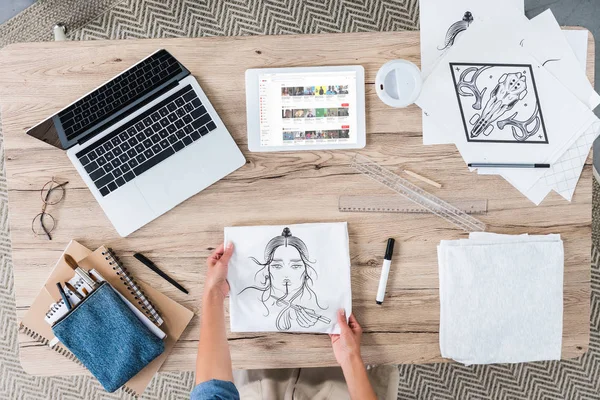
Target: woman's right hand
{"points": [[346, 345]]}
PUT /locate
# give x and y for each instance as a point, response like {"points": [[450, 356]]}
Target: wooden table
{"points": [[38, 79]]}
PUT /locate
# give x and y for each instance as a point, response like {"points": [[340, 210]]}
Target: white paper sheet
{"points": [[565, 172], [289, 278], [578, 41], [501, 298], [563, 175], [546, 41], [511, 87], [439, 19]]}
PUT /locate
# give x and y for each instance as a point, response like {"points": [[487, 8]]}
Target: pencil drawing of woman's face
{"points": [[287, 269], [284, 283]]}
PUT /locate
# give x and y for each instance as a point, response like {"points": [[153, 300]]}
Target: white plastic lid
{"points": [[398, 83]]}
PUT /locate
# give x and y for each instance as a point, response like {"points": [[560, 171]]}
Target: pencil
{"points": [[423, 179], [498, 165]]}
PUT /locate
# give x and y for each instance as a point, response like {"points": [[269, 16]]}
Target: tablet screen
{"points": [[303, 109]]}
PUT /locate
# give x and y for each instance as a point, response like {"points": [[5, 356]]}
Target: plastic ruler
{"points": [[399, 204], [417, 195]]}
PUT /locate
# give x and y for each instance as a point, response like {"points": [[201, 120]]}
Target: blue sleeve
{"points": [[215, 390]]}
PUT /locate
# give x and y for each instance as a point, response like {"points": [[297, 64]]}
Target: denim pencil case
{"points": [[108, 338]]}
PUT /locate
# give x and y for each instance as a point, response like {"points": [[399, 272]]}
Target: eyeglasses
{"points": [[51, 193]]}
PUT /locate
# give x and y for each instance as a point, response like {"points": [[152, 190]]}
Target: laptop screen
{"points": [[110, 102]]}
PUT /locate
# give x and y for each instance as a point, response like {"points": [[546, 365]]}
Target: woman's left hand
{"points": [[216, 273]]}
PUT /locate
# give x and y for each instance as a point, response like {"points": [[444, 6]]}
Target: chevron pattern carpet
{"points": [[122, 19]]}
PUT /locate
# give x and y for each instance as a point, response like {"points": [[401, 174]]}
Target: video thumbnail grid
{"points": [[314, 112], [330, 90], [298, 136]]}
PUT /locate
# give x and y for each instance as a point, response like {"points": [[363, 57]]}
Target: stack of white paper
{"points": [[506, 89], [501, 298]]}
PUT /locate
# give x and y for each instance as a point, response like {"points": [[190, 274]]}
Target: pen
{"points": [[385, 271], [63, 295], [154, 268], [497, 165]]}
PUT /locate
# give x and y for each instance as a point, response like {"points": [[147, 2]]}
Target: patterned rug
{"points": [[122, 19]]}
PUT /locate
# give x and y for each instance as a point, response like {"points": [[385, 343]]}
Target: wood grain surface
{"points": [[38, 79]]}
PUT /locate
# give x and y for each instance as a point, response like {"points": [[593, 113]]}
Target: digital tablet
{"points": [[306, 108]]}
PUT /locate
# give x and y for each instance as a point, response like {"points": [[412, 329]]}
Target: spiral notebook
{"points": [[59, 309], [155, 305]]}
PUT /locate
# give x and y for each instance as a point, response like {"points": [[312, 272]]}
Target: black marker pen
{"points": [[385, 271]]}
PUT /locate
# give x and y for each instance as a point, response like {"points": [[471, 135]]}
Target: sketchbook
{"points": [[175, 316], [289, 278]]}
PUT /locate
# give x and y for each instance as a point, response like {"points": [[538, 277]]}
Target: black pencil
{"points": [[498, 165], [154, 268]]}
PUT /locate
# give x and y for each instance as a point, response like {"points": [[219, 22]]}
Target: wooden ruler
{"points": [[399, 204]]}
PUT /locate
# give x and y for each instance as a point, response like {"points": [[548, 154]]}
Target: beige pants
{"points": [[311, 383]]}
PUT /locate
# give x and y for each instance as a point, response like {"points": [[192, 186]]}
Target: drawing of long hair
{"points": [[455, 29], [265, 286]]}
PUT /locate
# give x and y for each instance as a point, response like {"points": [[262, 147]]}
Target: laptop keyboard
{"points": [[153, 136], [118, 93]]}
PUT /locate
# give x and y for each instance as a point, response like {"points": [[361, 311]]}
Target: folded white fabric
{"points": [[501, 298], [289, 278]]}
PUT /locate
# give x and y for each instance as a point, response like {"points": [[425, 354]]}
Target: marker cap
{"points": [[389, 249]]}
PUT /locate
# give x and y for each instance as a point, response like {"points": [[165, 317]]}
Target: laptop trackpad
{"points": [[127, 209], [171, 182]]}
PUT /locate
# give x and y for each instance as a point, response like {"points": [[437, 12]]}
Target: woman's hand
{"points": [[346, 345], [216, 272]]}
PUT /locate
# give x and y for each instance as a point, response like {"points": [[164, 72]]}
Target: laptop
{"points": [[144, 141]]}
